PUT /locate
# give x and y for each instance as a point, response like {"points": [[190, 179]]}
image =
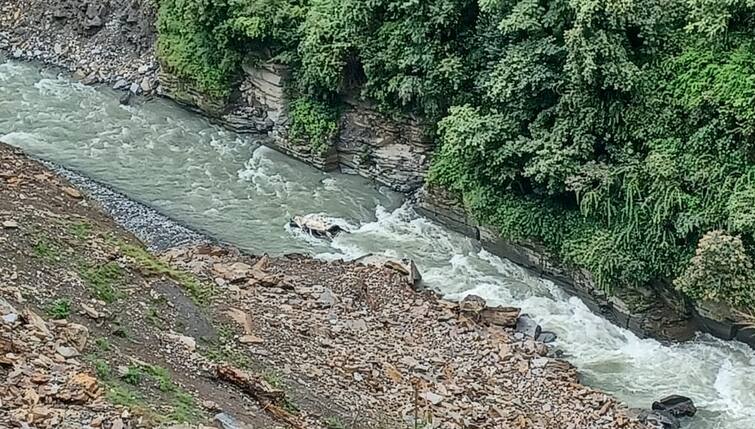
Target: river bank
{"points": [[121, 53], [364, 347], [277, 187]]}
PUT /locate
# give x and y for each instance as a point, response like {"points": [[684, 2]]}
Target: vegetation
{"points": [[617, 133], [104, 280], [59, 309], [149, 265]]}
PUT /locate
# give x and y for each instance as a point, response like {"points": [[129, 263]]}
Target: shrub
{"points": [[721, 270]]}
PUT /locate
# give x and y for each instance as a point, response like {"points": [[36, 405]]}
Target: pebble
{"points": [[10, 224]]}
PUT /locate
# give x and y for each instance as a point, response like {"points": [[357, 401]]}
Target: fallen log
{"points": [[271, 399]]}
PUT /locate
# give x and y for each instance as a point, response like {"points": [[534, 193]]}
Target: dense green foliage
{"points": [[313, 123], [616, 132]]}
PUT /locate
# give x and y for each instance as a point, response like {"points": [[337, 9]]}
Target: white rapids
{"points": [[245, 194]]}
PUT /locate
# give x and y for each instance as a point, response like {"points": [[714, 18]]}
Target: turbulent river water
{"points": [[237, 191]]}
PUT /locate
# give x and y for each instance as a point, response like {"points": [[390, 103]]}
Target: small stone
{"points": [[135, 88], [67, 352], [188, 342], [251, 339], [10, 224], [146, 86], [71, 192], [121, 84], [431, 397], [10, 318], [90, 311]]}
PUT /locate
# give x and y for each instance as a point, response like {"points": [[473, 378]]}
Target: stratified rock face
{"points": [[393, 152], [188, 94]]}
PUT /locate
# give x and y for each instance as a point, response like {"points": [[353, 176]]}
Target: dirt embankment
{"points": [[97, 332]]}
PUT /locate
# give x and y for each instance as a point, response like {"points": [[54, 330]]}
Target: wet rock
{"points": [[135, 88], [660, 419], [676, 405], [527, 326], [125, 99], [121, 84], [472, 305], [317, 226], [547, 337]]}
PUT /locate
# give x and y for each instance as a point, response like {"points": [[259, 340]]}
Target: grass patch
{"points": [[44, 248], [124, 392], [224, 350], [153, 317], [101, 368], [103, 281], [59, 309], [273, 379], [334, 423], [133, 375], [150, 265], [80, 230], [102, 344]]}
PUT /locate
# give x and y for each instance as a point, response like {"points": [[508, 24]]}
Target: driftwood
{"points": [[271, 399]]}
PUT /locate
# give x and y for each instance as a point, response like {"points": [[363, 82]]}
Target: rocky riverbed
{"points": [[110, 42], [206, 333]]}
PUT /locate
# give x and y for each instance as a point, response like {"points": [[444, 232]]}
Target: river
{"points": [[237, 191]]}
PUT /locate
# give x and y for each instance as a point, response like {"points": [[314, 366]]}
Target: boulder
{"points": [[406, 267], [676, 405], [472, 305], [527, 326], [547, 337], [125, 99], [316, 225], [506, 317], [660, 419]]}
